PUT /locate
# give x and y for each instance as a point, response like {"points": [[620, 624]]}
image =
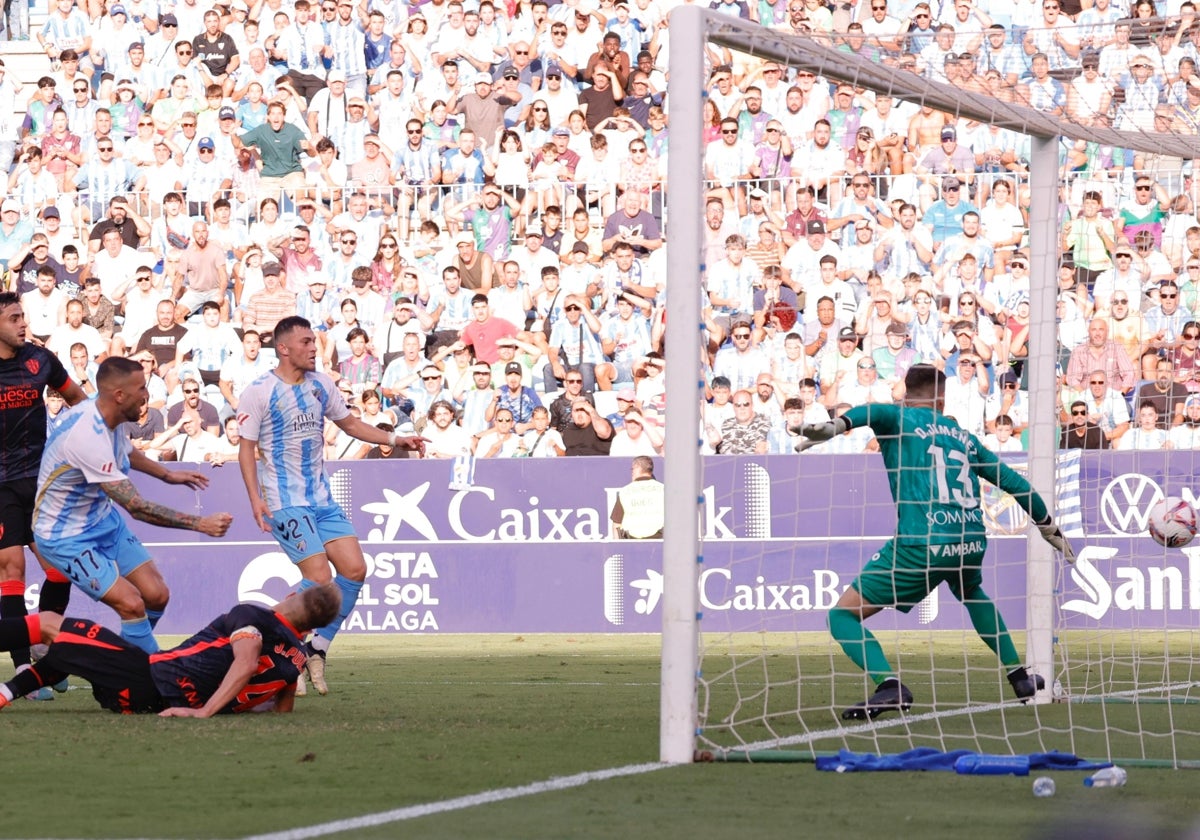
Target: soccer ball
{"points": [[1172, 522]]}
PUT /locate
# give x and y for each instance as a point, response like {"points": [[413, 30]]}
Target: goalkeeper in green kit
{"points": [[934, 468]]}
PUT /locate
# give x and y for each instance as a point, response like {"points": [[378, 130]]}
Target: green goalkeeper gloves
{"points": [[1052, 534]]}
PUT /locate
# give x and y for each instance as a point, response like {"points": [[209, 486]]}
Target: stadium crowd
{"points": [[466, 200]]}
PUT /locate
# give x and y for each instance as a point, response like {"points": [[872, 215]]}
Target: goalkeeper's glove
{"points": [[1052, 534], [814, 433]]}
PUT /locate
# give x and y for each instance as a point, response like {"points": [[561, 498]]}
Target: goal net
{"points": [[997, 212]]}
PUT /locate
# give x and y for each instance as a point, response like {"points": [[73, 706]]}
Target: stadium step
{"points": [[25, 61]]}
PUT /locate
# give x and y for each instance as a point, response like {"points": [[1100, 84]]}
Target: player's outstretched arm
{"points": [[192, 478], [1053, 534], [356, 428], [988, 466], [126, 495], [814, 433], [246, 649]]}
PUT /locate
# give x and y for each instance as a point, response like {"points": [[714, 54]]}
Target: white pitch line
{"points": [[413, 812], [906, 719]]}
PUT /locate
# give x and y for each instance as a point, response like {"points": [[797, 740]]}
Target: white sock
{"points": [[6, 692]]}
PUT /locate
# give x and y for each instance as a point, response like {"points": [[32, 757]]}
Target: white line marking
{"points": [[904, 720], [413, 812]]}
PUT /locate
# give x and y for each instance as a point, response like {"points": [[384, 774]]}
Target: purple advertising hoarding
{"points": [[527, 547]]}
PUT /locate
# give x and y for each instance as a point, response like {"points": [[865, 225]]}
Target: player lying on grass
{"points": [[934, 468], [245, 660]]}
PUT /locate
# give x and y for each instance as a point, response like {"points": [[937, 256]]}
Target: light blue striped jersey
{"points": [[67, 33], [288, 422], [82, 454]]}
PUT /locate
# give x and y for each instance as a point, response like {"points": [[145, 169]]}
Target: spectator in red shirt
{"points": [[486, 330]]}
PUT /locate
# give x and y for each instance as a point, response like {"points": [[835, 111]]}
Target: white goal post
{"points": [[690, 29]]}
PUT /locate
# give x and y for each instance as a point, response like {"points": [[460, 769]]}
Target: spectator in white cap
{"points": [[760, 213], [330, 107], [15, 232], [1187, 434], [482, 109], [637, 436]]}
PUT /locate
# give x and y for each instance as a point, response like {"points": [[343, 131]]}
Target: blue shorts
{"points": [[303, 531], [93, 561]]}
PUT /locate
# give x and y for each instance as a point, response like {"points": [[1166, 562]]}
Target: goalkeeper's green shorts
{"points": [[900, 575]]}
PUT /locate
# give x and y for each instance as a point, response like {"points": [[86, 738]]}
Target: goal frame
{"points": [[690, 28]]}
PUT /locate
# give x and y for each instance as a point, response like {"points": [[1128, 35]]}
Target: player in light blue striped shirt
{"points": [[283, 414], [78, 529]]}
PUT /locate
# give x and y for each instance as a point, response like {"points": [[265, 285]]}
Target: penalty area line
{"points": [[460, 803]]}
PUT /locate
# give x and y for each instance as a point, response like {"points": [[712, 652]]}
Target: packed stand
{"points": [[467, 202]]}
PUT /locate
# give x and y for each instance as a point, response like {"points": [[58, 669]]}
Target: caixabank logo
{"points": [[482, 513], [741, 590]]}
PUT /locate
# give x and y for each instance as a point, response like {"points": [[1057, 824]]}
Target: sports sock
{"points": [[138, 632], [12, 605], [25, 682], [350, 590], [860, 644], [305, 584], [153, 617], [990, 626], [55, 592], [20, 632], [6, 692]]}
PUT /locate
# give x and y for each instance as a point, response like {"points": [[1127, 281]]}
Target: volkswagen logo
{"points": [[1126, 501]]}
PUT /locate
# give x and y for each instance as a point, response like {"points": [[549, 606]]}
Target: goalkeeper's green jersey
{"points": [[934, 467]]}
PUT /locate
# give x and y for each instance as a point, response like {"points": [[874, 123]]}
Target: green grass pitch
{"points": [[421, 720]]}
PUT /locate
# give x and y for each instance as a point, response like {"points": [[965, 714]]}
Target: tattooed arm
{"points": [[126, 495]]}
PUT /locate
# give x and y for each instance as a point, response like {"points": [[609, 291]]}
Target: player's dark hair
{"points": [[9, 299], [924, 383], [114, 370], [321, 603], [285, 328]]}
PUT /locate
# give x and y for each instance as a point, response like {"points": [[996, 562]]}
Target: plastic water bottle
{"points": [[1043, 787], [992, 765], [1108, 777]]}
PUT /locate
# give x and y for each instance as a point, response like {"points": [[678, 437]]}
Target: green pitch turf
{"points": [[412, 721]]}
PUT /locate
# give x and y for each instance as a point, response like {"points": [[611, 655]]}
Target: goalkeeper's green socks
{"points": [[860, 644], [989, 624]]}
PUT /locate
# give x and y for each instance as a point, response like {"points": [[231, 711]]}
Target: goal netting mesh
{"points": [[1059, 242]]}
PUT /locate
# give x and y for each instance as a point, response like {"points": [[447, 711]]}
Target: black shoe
{"points": [[1025, 685], [890, 696]]}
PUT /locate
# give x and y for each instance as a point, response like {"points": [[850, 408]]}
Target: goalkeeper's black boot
{"points": [[890, 696], [1024, 684]]}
